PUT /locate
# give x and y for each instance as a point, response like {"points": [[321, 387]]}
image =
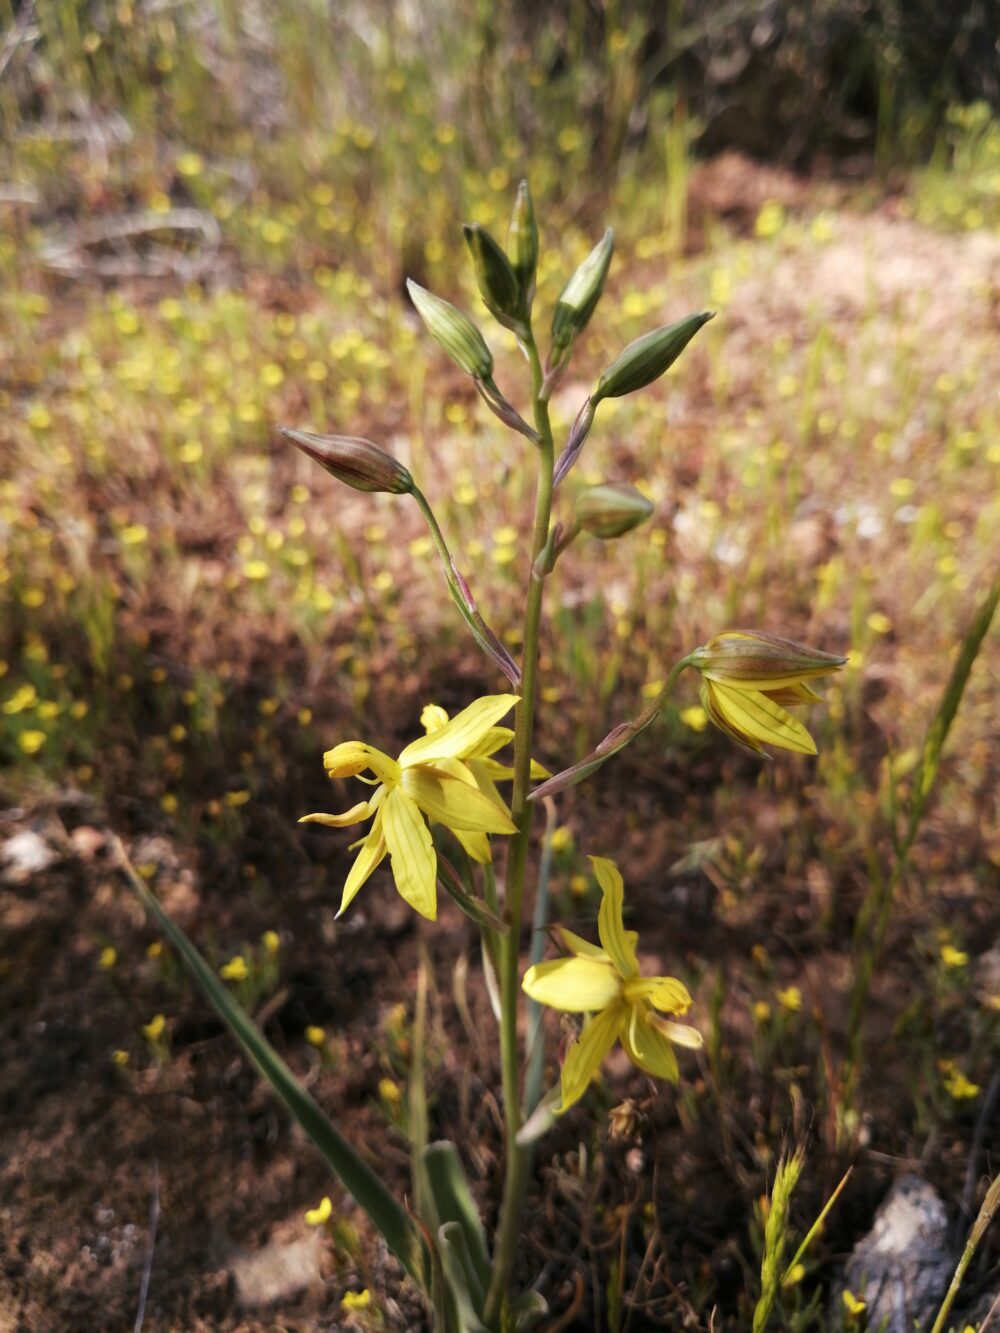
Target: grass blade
{"points": [[354, 1173]]}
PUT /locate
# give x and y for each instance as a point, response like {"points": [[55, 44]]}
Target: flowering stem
{"points": [[518, 1158]]}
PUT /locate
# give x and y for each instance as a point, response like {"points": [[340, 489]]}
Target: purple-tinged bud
{"points": [[354, 461]]}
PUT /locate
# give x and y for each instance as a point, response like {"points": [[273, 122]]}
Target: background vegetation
{"points": [[208, 213]]}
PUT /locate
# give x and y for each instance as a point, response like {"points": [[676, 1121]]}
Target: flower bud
{"points": [[497, 282], [580, 296], [357, 462], [522, 243], [611, 509], [752, 660], [648, 357], [452, 331]]}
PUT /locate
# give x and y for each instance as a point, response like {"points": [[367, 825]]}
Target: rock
{"points": [[276, 1272], [26, 854], [902, 1268]]}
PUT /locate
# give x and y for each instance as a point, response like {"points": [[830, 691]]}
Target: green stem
{"points": [[518, 1158]]}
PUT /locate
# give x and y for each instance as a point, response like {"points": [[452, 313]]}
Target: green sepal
{"points": [[522, 243], [580, 296], [498, 284], [453, 331]]}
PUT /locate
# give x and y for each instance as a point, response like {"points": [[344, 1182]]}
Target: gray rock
{"points": [[276, 1272], [902, 1268], [24, 855]]}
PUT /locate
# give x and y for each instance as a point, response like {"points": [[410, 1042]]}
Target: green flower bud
{"points": [[522, 243], [452, 331], [611, 509], [645, 360], [355, 461], [580, 296], [499, 287]]}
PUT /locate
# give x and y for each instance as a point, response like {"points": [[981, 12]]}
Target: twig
{"points": [[147, 1265], [985, 1117]]}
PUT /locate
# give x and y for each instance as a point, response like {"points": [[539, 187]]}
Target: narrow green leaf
{"points": [[453, 1202], [354, 1173], [467, 1298]]}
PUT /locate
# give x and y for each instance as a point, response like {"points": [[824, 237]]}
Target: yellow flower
{"points": [[356, 1300], [790, 999], [155, 1027], [605, 982], [952, 957], [235, 970], [108, 958], [315, 1036], [960, 1087], [851, 1303], [315, 1217], [446, 776], [749, 679]]}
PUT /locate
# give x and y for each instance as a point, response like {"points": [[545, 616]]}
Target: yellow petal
{"points": [[494, 739], [573, 985], [789, 696], [461, 734], [433, 718], [681, 1034], [665, 993], [372, 851], [647, 1048], [353, 816], [353, 757], [758, 717], [454, 803], [585, 1057], [764, 684], [618, 942], [576, 944], [414, 861], [477, 845]]}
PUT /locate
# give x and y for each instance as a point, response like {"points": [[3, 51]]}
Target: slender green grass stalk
{"points": [[986, 1214], [775, 1237], [873, 919], [815, 1229], [518, 1157]]}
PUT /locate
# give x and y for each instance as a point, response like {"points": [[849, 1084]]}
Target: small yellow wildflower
{"points": [[790, 998], [271, 942], [315, 1036], [356, 1300], [749, 679], [431, 780], [389, 1091], [851, 1303], [154, 949], [952, 957], [761, 1011], [604, 981], [155, 1028], [108, 958], [695, 717], [316, 1217], [31, 741], [235, 970], [562, 838], [120, 1058], [959, 1087]]}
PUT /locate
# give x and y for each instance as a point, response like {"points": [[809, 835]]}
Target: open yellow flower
{"points": [[604, 981], [432, 779], [750, 679]]}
